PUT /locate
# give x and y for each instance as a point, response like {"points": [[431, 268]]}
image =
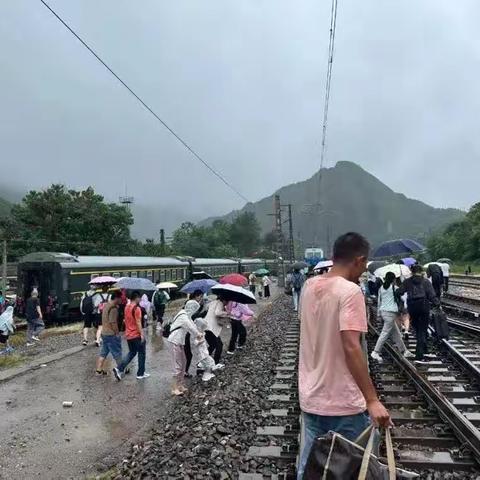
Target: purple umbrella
{"points": [[409, 261]]}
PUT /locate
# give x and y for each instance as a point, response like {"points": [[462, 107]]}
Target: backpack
{"points": [[297, 281], [436, 273], [103, 303], [417, 291], [167, 328], [87, 305], [158, 299]]}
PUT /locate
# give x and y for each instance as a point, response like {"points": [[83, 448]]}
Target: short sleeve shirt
{"points": [[133, 313], [329, 306]]}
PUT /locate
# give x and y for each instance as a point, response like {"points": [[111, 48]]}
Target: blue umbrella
{"points": [[131, 283], [398, 247], [204, 285]]}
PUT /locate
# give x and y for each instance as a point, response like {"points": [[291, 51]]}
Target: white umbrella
{"points": [[166, 285], [398, 270], [323, 264], [234, 293]]}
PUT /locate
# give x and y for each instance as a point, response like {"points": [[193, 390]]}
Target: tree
{"points": [[245, 233], [460, 240], [75, 221]]}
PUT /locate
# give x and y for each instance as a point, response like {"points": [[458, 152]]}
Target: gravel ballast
{"points": [[207, 434]]}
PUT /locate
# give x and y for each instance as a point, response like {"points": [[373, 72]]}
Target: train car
{"points": [[61, 278], [248, 265], [313, 256], [215, 267]]}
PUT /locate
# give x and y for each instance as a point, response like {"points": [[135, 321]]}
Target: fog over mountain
{"points": [[243, 84]]}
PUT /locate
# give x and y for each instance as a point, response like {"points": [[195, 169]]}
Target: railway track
{"points": [[278, 439], [435, 406]]}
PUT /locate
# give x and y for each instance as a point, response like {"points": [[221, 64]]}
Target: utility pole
{"points": [[279, 241], [291, 245], [162, 241], [4, 269]]}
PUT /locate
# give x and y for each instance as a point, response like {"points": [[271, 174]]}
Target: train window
{"points": [[150, 275], [65, 282], [93, 275], [116, 275], [134, 274]]}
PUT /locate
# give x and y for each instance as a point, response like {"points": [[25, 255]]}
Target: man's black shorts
{"points": [[92, 320]]}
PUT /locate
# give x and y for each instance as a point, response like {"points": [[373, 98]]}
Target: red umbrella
{"points": [[234, 279]]}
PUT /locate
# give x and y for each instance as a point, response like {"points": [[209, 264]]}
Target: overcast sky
{"points": [[242, 81]]}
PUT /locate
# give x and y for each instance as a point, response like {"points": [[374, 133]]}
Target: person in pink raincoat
{"points": [[239, 315]]}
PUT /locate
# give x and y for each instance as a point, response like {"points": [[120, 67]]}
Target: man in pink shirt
{"points": [[335, 389]]}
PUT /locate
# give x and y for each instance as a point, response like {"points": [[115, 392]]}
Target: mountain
{"points": [[350, 199]]}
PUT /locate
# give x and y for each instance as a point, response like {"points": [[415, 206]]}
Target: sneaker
{"points": [[36, 339], [142, 377], [99, 373], [127, 371], [30, 344], [219, 366], [408, 354], [177, 392], [376, 357], [85, 343], [207, 376], [97, 343], [117, 374], [230, 353], [240, 347]]}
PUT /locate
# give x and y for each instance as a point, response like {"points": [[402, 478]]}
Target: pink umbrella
{"points": [[234, 279], [103, 280]]}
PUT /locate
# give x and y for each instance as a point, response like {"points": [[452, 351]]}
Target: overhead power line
{"points": [[328, 84], [144, 104]]}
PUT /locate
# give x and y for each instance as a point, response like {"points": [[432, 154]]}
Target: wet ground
{"points": [[39, 438]]}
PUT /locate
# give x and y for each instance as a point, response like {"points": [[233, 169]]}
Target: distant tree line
{"points": [[460, 240], [83, 223]]}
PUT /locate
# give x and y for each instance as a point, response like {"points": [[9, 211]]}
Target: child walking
{"points": [[179, 327], [200, 349]]}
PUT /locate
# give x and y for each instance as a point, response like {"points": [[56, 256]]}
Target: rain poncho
{"points": [[7, 324]]}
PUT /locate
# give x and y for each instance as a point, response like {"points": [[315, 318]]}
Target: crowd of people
{"points": [[193, 334]]}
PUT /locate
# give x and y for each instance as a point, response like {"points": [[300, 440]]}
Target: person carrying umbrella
{"points": [[238, 313], [136, 340], [389, 312], [216, 317], [159, 301]]}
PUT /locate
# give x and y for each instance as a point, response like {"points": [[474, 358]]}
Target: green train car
{"points": [[61, 278]]}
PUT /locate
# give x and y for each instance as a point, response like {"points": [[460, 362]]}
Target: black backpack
{"points": [[87, 305], [167, 328]]}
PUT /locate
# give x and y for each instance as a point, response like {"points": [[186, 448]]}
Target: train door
{"points": [[40, 278]]}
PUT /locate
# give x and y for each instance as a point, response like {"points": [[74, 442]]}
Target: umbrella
{"points": [[131, 283], [375, 265], [261, 272], [432, 263], [300, 265], [103, 280], [398, 247], [398, 270], [444, 260], [201, 276], [234, 279], [204, 285], [165, 285], [323, 264], [234, 294], [409, 261]]}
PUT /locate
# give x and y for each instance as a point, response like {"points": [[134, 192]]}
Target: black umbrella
{"points": [[232, 293], [300, 265], [375, 265]]}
